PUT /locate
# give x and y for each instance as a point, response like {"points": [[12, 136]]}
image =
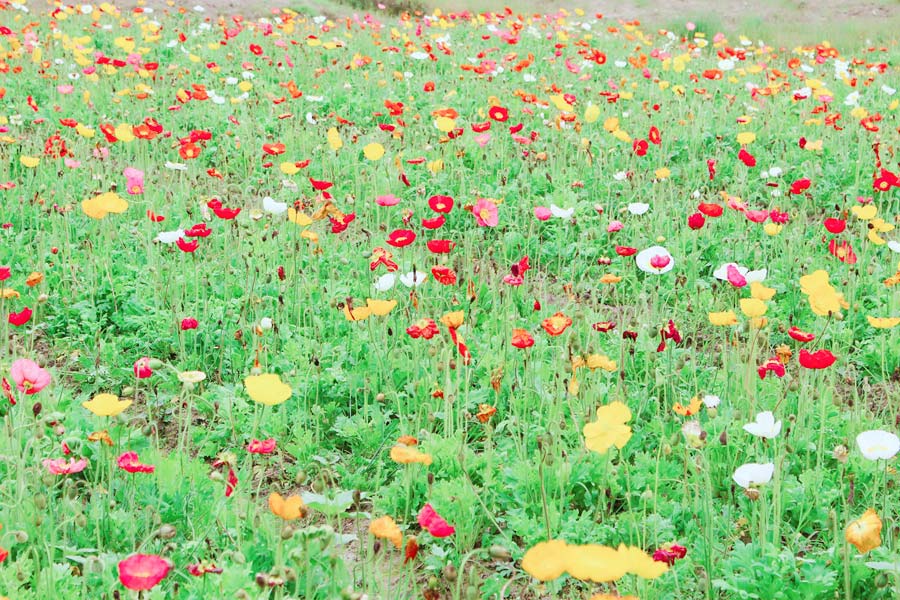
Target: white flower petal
{"points": [[271, 206], [562, 213], [878, 444], [169, 237], [385, 282], [753, 474], [638, 208]]}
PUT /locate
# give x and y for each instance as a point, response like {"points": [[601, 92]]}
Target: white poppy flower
{"points": [[638, 208], [726, 64], [562, 213], [765, 426], [878, 444], [894, 246], [385, 282], [413, 279], [722, 272], [529, 78], [265, 323], [776, 171], [888, 90], [169, 237], [757, 276], [620, 175], [753, 474], [711, 401], [419, 55], [176, 166], [654, 259], [271, 206], [852, 99]]}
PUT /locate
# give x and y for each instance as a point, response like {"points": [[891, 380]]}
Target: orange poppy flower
{"points": [[692, 408], [556, 324], [289, 508]]}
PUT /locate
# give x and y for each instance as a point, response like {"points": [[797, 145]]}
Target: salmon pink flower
{"points": [[30, 378], [141, 572], [20, 318], [134, 183], [388, 200], [757, 216], [266, 446], [401, 237], [800, 335], [434, 523], [128, 461], [820, 359], [59, 466], [486, 214]]}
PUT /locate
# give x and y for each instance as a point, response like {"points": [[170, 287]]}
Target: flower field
{"points": [[444, 305]]}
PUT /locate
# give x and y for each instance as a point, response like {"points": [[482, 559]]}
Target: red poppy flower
{"points": [[843, 251], [231, 482], [320, 186], [412, 549], [669, 553], [747, 158], [189, 323], [434, 523], [434, 222], [556, 324], [380, 256], [711, 167], [4, 554], [5, 273], [141, 572], [20, 318], [640, 147], [481, 127], [711, 209], [401, 237], [820, 359], [498, 113], [835, 225], [522, 339], [778, 217], [261, 446], [200, 230], [444, 275], [441, 204], [603, 326], [155, 217], [625, 250], [441, 246], [220, 211], [696, 221], [629, 335], [772, 365], [800, 335], [129, 462], [654, 135], [424, 328], [274, 149], [187, 246], [339, 225], [800, 186], [189, 150]]}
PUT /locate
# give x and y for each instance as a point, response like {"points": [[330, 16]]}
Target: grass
{"points": [[218, 282]]}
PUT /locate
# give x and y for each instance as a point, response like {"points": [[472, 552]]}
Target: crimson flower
{"points": [[401, 237], [746, 158], [189, 323], [129, 461], [820, 359], [441, 204], [640, 147], [424, 328], [800, 335], [669, 332], [522, 339], [320, 186], [843, 251], [669, 553], [20, 318], [187, 246], [434, 222], [625, 250], [498, 113], [603, 326], [434, 523], [261, 446], [223, 213], [696, 221], [339, 225], [772, 365], [835, 225], [654, 135], [800, 186], [441, 246], [200, 230], [444, 275], [142, 368], [141, 572], [5, 273], [711, 167]]}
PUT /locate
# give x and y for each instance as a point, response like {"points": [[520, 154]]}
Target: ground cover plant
{"points": [[444, 305]]}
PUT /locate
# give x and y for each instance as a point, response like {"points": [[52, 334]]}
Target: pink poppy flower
{"points": [[141, 572], [142, 368], [615, 226], [134, 184], [65, 89], [59, 466], [735, 277], [128, 461], [542, 213], [387, 200], [482, 139], [434, 523], [30, 378], [261, 446], [71, 163], [189, 323], [486, 214]]}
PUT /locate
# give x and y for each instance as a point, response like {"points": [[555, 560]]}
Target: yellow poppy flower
{"points": [[761, 292], [724, 318], [298, 218], [547, 560], [267, 389], [746, 137], [883, 322], [360, 313], [386, 529], [100, 206], [591, 562], [106, 405], [864, 212], [380, 307], [373, 151], [877, 226], [609, 429], [865, 532], [599, 361], [453, 320], [610, 279], [772, 229], [8, 293], [29, 162], [289, 508], [752, 307], [405, 455]]}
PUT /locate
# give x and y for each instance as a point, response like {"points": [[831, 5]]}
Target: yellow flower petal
{"points": [[746, 137], [883, 322], [267, 389], [865, 532], [334, 139], [547, 560], [380, 307], [609, 429], [385, 528], [761, 292], [753, 307], [373, 151], [864, 212], [454, 319], [723, 318], [106, 405], [29, 162]]}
